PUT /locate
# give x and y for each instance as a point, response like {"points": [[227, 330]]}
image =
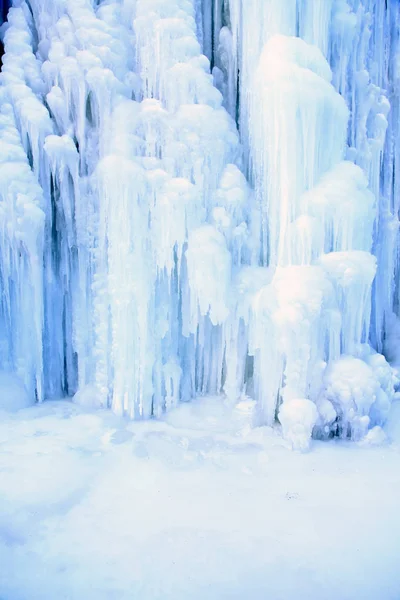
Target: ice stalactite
{"points": [[208, 204], [22, 239], [24, 208]]}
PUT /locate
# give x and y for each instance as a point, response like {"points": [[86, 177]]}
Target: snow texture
{"points": [[201, 197], [195, 505]]}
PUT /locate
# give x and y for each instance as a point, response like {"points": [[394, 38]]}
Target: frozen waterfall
{"points": [[202, 197]]}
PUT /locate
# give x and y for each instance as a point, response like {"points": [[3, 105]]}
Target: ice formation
{"points": [[201, 197], [298, 418]]}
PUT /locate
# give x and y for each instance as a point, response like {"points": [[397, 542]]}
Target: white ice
{"points": [[200, 197]]}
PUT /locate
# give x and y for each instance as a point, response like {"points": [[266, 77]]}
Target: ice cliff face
{"points": [[201, 197]]}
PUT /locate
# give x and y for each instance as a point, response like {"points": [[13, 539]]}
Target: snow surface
{"points": [[195, 505]]}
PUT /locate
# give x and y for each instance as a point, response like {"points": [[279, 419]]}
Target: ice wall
{"points": [[206, 203], [309, 108]]}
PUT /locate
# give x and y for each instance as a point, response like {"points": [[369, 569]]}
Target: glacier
{"points": [[201, 197]]}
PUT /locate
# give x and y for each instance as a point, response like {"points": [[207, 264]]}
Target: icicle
{"points": [[22, 222], [202, 197]]}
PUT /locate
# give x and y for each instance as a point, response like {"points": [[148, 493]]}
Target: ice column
{"points": [[22, 221]]}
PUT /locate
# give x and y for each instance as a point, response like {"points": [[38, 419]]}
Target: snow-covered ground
{"points": [[198, 506]]}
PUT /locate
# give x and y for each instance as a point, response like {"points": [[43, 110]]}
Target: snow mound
{"points": [[375, 437], [13, 393], [360, 394], [89, 397], [298, 418]]}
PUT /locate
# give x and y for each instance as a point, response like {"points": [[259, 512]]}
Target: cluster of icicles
{"points": [[150, 254]]}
